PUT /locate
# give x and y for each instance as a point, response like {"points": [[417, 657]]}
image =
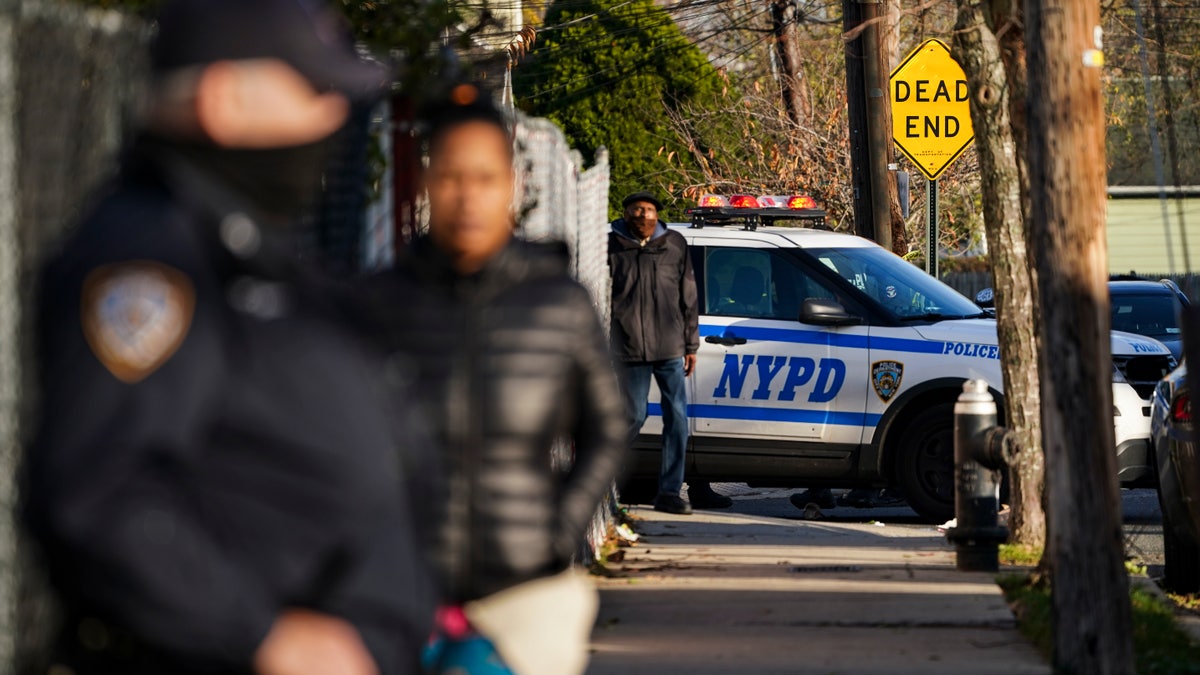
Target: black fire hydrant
{"points": [[979, 450]]}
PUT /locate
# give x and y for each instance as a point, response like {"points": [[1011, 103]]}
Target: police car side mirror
{"points": [[826, 312]]}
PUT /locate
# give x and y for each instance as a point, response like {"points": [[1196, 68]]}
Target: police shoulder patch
{"points": [[135, 315]]}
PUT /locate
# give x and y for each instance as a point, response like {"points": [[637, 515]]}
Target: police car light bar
{"points": [[751, 211]]}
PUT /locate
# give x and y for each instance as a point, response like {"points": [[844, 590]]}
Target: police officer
{"points": [[215, 484]]}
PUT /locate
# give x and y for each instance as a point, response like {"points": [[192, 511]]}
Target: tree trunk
{"points": [[1090, 593], [792, 84], [978, 51], [879, 124]]}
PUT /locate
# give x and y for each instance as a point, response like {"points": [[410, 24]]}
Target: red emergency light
{"points": [[743, 202], [802, 202]]}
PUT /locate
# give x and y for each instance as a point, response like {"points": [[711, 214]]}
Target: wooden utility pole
{"points": [[792, 83], [1067, 193], [876, 209], [856, 105]]}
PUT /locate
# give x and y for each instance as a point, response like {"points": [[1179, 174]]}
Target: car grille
{"points": [[1144, 372]]}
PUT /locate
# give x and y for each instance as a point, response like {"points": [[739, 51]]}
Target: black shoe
{"points": [[702, 496], [822, 497], [672, 504], [890, 497], [858, 498], [871, 499]]}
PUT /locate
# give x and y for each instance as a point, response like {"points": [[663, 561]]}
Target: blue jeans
{"points": [[673, 385]]}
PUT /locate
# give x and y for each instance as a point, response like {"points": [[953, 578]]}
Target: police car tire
{"points": [[925, 463], [1181, 559]]}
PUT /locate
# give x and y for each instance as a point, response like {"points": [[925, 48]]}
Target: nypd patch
{"points": [[135, 315], [886, 377]]}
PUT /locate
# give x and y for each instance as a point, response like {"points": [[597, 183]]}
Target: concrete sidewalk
{"points": [[726, 593]]}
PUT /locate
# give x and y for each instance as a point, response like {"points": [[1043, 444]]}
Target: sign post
{"points": [[931, 228], [931, 122]]}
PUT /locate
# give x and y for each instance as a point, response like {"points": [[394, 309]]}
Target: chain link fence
{"points": [[561, 200], [69, 78]]}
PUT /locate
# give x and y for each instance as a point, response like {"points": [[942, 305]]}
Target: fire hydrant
{"points": [[979, 457]]}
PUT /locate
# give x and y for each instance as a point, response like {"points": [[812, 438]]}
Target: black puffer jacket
{"points": [[655, 315], [506, 361]]}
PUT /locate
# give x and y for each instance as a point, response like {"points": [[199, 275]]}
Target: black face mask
{"points": [[280, 182]]}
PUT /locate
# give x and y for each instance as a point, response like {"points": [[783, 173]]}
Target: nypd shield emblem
{"points": [[885, 378], [135, 315]]}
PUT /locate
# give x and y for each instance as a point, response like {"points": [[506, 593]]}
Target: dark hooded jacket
{"points": [[655, 315], [507, 360]]}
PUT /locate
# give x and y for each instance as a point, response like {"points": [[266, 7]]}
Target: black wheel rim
{"points": [[934, 466]]}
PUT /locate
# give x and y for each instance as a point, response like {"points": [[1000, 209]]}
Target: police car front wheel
{"points": [[925, 463]]}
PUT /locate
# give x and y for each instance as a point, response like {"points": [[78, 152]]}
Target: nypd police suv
{"points": [[826, 360]]}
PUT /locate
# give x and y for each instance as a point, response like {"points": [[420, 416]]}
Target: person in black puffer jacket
{"points": [[510, 355]]}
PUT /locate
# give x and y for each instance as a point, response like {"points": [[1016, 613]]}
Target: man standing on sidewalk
{"points": [[655, 332]]}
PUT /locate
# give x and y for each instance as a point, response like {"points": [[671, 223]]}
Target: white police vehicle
{"points": [[826, 360]]}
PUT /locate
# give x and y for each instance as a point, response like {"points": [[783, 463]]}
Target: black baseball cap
{"points": [[306, 34], [642, 197]]}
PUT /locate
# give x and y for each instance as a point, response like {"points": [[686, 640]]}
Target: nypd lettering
{"points": [[971, 349], [886, 377], [821, 379]]}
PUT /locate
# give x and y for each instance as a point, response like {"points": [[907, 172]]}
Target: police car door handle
{"points": [[722, 340]]}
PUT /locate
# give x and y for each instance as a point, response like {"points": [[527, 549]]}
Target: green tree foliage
{"points": [[609, 73]]}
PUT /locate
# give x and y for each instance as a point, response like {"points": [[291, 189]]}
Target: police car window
{"points": [[756, 283], [736, 282], [899, 287]]}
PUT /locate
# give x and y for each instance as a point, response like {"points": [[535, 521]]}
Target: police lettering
{"points": [[829, 376], [1145, 348], [971, 350]]}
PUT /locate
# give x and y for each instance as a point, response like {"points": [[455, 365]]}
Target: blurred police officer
{"points": [[216, 483]]}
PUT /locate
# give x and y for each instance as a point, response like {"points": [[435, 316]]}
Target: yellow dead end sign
{"points": [[931, 116]]}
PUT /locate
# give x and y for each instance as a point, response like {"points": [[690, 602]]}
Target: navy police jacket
{"points": [[214, 446]]}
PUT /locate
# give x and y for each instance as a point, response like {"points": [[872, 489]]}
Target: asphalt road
{"points": [[1139, 508]]}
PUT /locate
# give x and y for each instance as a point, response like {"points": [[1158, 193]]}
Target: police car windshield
{"points": [[903, 290]]}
